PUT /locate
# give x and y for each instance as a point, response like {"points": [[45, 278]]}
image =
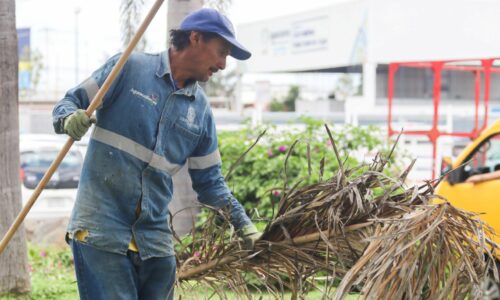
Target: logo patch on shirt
{"points": [[152, 99], [190, 118], [191, 115]]}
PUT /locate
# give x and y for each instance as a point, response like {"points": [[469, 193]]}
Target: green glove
{"points": [[77, 124], [250, 235]]}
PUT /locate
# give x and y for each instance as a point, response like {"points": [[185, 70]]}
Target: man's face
{"points": [[208, 56]]}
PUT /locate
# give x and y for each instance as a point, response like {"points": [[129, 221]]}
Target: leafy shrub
{"points": [[52, 273], [258, 180]]}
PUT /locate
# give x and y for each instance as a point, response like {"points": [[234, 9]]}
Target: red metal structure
{"points": [[485, 67]]}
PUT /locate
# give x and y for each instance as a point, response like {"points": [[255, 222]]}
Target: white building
{"points": [[366, 35], [312, 49], [363, 37]]}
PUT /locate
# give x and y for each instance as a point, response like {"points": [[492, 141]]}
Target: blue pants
{"points": [[108, 276]]}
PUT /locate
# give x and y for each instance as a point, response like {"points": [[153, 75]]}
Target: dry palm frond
{"points": [[366, 231]]}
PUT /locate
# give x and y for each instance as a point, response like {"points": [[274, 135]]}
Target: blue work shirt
{"points": [[146, 131]]}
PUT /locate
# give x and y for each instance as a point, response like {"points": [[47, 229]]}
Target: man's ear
{"points": [[195, 38]]}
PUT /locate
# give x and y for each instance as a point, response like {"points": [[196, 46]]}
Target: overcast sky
{"points": [[98, 22], [59, 27]]}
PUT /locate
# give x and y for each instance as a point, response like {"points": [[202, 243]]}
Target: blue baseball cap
{"points": [[210, 20]]}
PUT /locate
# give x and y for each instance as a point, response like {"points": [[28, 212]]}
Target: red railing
{"points": [[486, 67]]}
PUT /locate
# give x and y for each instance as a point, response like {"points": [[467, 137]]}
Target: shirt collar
{"points": [[164, 69]]}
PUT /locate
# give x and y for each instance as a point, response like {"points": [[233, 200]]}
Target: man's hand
{"points": [[77, 124], [250, 235], [475, 179]]}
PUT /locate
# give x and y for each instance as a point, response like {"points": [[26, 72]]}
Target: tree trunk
{"points": [[14, 276], [184, 196], [178, 9]]}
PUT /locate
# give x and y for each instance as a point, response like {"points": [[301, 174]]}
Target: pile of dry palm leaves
{"points": [[368, 233]]}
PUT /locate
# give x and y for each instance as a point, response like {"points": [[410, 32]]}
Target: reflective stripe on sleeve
{"points": [[203, 162], [135, 149], [161, 163]]}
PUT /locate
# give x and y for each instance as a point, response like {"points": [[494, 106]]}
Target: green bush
{"points": [[52, 274], [259, 179]]}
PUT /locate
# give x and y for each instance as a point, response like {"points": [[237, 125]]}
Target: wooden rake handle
{"points": [[187, 274], [90, 110]]}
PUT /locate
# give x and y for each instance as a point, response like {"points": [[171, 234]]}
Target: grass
{"points": [[232, 296], [52, 274], [53, 278]]}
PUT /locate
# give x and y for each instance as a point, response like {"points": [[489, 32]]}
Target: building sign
{"points": [[24, 54], [318, 39], [301, 36], [310, 35]]}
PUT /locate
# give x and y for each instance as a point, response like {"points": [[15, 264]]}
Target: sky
{"points": [[60, 27], [98, 22], [75, 37]]}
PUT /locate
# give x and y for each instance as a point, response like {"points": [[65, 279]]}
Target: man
{"points": [[479, 178], [153, 120]]}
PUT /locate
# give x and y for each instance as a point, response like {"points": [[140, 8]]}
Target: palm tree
{"points": [[176, 11], [130, 21], [14, 276]]}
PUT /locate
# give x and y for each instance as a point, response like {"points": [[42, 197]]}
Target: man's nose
{"points": [[222, 64]]}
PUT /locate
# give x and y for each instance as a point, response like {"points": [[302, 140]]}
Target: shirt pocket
{"points": [[180, 143]]}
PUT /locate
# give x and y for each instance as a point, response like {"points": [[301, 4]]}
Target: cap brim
{"points": [[237, 49]]}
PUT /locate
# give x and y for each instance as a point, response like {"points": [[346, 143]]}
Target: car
{"points": [[37, 152], [481, 156]]}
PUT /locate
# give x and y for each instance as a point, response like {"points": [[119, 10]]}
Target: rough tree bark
{"points": [[14, 276]]}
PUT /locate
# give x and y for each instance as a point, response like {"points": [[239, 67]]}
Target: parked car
{"points": [[37, 154], [481, 156]]}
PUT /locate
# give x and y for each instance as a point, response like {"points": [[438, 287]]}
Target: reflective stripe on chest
{"points": [[135, 149]]}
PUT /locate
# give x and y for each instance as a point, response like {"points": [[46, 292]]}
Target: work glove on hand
{"points": [[250, 235], [77, 124]]}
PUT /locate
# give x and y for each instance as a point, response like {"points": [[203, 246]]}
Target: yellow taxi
{"points": [[474, 183], [480, 157]]}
